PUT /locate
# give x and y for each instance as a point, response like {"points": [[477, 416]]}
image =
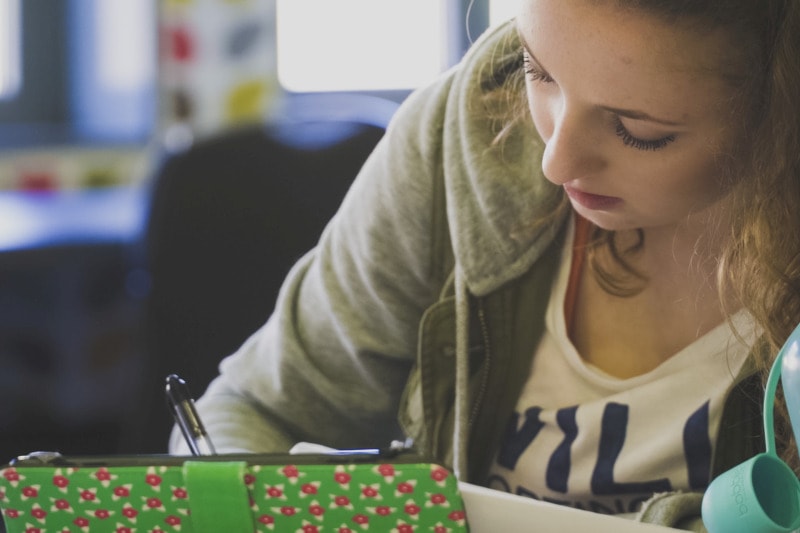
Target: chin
{"points": [[609, 221]]}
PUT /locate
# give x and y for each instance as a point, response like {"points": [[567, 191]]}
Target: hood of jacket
{"points": [[495, 189]]}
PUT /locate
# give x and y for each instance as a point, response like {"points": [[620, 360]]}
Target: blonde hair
{"points": [[761, 262]]}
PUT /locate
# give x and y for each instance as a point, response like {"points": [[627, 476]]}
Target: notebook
{"points": [[492, 511]]}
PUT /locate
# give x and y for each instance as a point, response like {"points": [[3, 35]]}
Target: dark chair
{"points": [[229, 217]]}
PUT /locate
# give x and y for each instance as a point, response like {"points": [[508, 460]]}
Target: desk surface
{"points": [[31, 220]]}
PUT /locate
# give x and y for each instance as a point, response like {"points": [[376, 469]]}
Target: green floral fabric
{"points": [[316, 498]]}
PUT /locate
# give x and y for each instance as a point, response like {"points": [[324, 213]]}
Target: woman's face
{"points": [[634, 113]]}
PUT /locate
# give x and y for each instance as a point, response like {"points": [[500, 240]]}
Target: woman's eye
{"points": [[532, 71], [640, 144]]}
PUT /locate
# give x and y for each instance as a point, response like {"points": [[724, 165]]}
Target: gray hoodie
{"points": [[332, 361]]}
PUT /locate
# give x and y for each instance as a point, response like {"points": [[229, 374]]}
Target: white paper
{"points": [[492, 511], [311, 447]]}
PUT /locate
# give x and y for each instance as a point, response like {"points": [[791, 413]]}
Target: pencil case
{"points": [[46, 492]]}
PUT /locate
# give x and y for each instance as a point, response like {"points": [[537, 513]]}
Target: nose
{"points": [[573, 149]]}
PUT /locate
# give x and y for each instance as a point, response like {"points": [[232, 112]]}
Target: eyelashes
{"points": [[537, 75], [532, 71], [640, 144]]}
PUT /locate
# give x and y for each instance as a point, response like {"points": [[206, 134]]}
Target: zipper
{"points": [[488, 355], [400, 452]]}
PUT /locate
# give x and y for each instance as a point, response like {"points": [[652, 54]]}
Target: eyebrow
{"points": [[627, 113]]}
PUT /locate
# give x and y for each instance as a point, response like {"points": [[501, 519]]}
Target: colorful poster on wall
{"points": [[218, 63]]}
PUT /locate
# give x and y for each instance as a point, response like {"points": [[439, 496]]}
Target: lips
{"points": [[595, 202]]}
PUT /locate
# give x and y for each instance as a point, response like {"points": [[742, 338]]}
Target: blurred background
{"points": [[162, 165]]}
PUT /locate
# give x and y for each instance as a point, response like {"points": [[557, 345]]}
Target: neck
{"points": [[678, 303], [691, 249], [677, 262]]}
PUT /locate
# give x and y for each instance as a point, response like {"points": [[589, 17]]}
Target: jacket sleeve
{"points": [[330, 364], [677, 510]]}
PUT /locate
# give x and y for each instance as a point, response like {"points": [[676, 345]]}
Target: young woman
{"points": [[565, 269]]}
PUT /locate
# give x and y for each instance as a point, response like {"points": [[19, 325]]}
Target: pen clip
{"points": [[183, 411]]}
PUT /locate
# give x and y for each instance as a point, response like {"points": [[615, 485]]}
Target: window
{"points": [[10, 72], [359, 44], [77, 71], [502, 10], [125, 53], [85, 70], [113, 68]]}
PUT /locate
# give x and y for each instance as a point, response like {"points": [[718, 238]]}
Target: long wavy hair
{"points": [[759, 264]]}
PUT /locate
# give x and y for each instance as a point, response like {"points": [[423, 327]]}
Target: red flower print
{"points": [[88, 495], [341, 501], [102, 514], [12, 513], [11, 475], [32, 530], [249, 479], [438, 499], [81, 522], [179, 493], [412, 509], [123, 529], [405, 487], [316, 509], [383, 510], [266, 519], [290, 471], [360, 519], [369, 492], [344, 529], [342, 478], [274, 492], [457, 515], [173, 520], [30, 492], [153, 503], [61, 504], [122, 492], [309, 488], [440, 529], [439, 474], [386, 470], [38, 513], [308, 528], [288, 511], [154, 480], [60, 481], [129, 512], [103, 475], [405, 528]]}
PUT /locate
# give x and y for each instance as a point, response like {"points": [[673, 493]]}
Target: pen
{"points": [[183, 411]]}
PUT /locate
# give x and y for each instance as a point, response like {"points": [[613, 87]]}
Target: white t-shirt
{"points": [[586, 439]]}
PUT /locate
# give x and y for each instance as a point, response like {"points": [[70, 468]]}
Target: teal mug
{"points": [[762, 494]]}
